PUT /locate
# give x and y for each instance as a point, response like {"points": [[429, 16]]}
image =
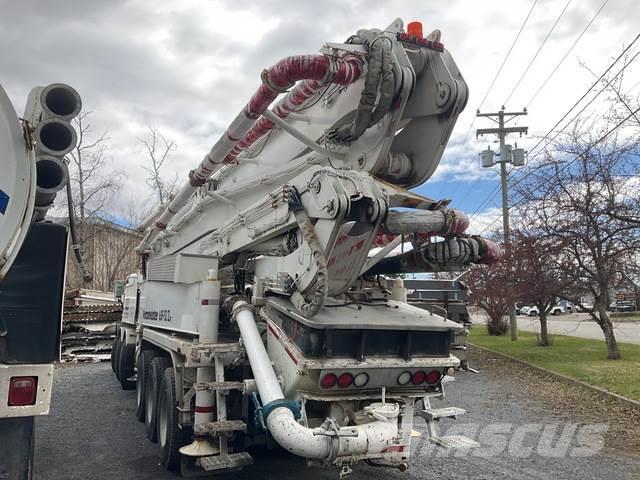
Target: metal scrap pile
{"points": [[88, 326]]}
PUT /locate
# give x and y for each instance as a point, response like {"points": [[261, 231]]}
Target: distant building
{"points": [[108, 252]]}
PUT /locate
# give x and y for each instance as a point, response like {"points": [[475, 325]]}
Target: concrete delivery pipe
{"points": [[60, 100], [372, 437], [55, 137], [50, 109], [51, 176]]}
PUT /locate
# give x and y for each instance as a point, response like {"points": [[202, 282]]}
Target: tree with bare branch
{"points": [[158, 148], [490, 289], [93, 182], [580, 197], [541, 275], [623, 100]]}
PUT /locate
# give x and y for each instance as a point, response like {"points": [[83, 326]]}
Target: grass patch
{"points": [[580, 358]]}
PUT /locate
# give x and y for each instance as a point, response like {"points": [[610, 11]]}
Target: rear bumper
{"points": [[44, 372]]}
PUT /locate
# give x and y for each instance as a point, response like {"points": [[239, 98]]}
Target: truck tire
{"points": [[152, 389], [116, 340], [557, 312], [143, 367], [116, 358], [170, 436], [113, 347], [126, 354], [113, 351]]}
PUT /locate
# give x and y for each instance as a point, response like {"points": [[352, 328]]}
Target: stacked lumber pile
{"points": [[88, 326]]}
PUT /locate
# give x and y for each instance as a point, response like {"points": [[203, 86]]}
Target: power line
{"points": [[504, 61], [586, 93], [581, 154], [513, 44], [564, 57], [526, 70], [530, 154], [602, 138], [488, 199]]}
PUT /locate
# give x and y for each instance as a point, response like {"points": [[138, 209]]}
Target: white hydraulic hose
{"points": [[317, 443]]}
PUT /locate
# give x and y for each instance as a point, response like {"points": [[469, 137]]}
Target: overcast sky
{"points": [[187, 67]]}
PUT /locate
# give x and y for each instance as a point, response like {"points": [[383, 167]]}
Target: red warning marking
{"points": [[286, 349], [273, 331], [200, 409]]}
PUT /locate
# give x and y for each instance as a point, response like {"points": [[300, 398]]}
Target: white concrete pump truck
{"points": [[261, 315], [33, 255]]}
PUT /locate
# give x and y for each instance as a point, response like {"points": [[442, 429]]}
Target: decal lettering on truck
{"points": [[157, 315]]}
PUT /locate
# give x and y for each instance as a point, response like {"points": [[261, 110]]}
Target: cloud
{"points": [[486, 222], [188, 67]]}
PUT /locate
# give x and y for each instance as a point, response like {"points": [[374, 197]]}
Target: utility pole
{"points": [[507, 154]]}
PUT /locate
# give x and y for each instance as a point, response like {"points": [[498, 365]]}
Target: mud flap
{"points": [[16, 460]]}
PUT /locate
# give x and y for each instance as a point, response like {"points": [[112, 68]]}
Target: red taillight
{"points": [[418, 377], [433, 377], [345, 380], [329, 380], [23, 391]]}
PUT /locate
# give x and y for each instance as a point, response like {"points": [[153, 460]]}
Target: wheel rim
{"points": [[163, 424]]}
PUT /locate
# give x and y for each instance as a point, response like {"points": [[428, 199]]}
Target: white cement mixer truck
{"points": [[33, 256]]}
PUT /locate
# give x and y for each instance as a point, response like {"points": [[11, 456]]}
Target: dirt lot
{"points": [[92, 433]]}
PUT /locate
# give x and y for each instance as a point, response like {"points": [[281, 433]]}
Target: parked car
{"points": [[621, 307], [585, 307], [556, 310], [524, 310]]}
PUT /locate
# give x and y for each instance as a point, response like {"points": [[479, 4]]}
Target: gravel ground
{"points": [[92, 433]]}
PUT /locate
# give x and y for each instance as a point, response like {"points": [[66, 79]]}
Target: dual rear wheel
{"points": [[156, 400], [157, 405], [122, 360]]}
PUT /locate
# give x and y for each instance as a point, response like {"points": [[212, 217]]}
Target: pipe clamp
{"points": [[293, 405], [239, 307]]}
